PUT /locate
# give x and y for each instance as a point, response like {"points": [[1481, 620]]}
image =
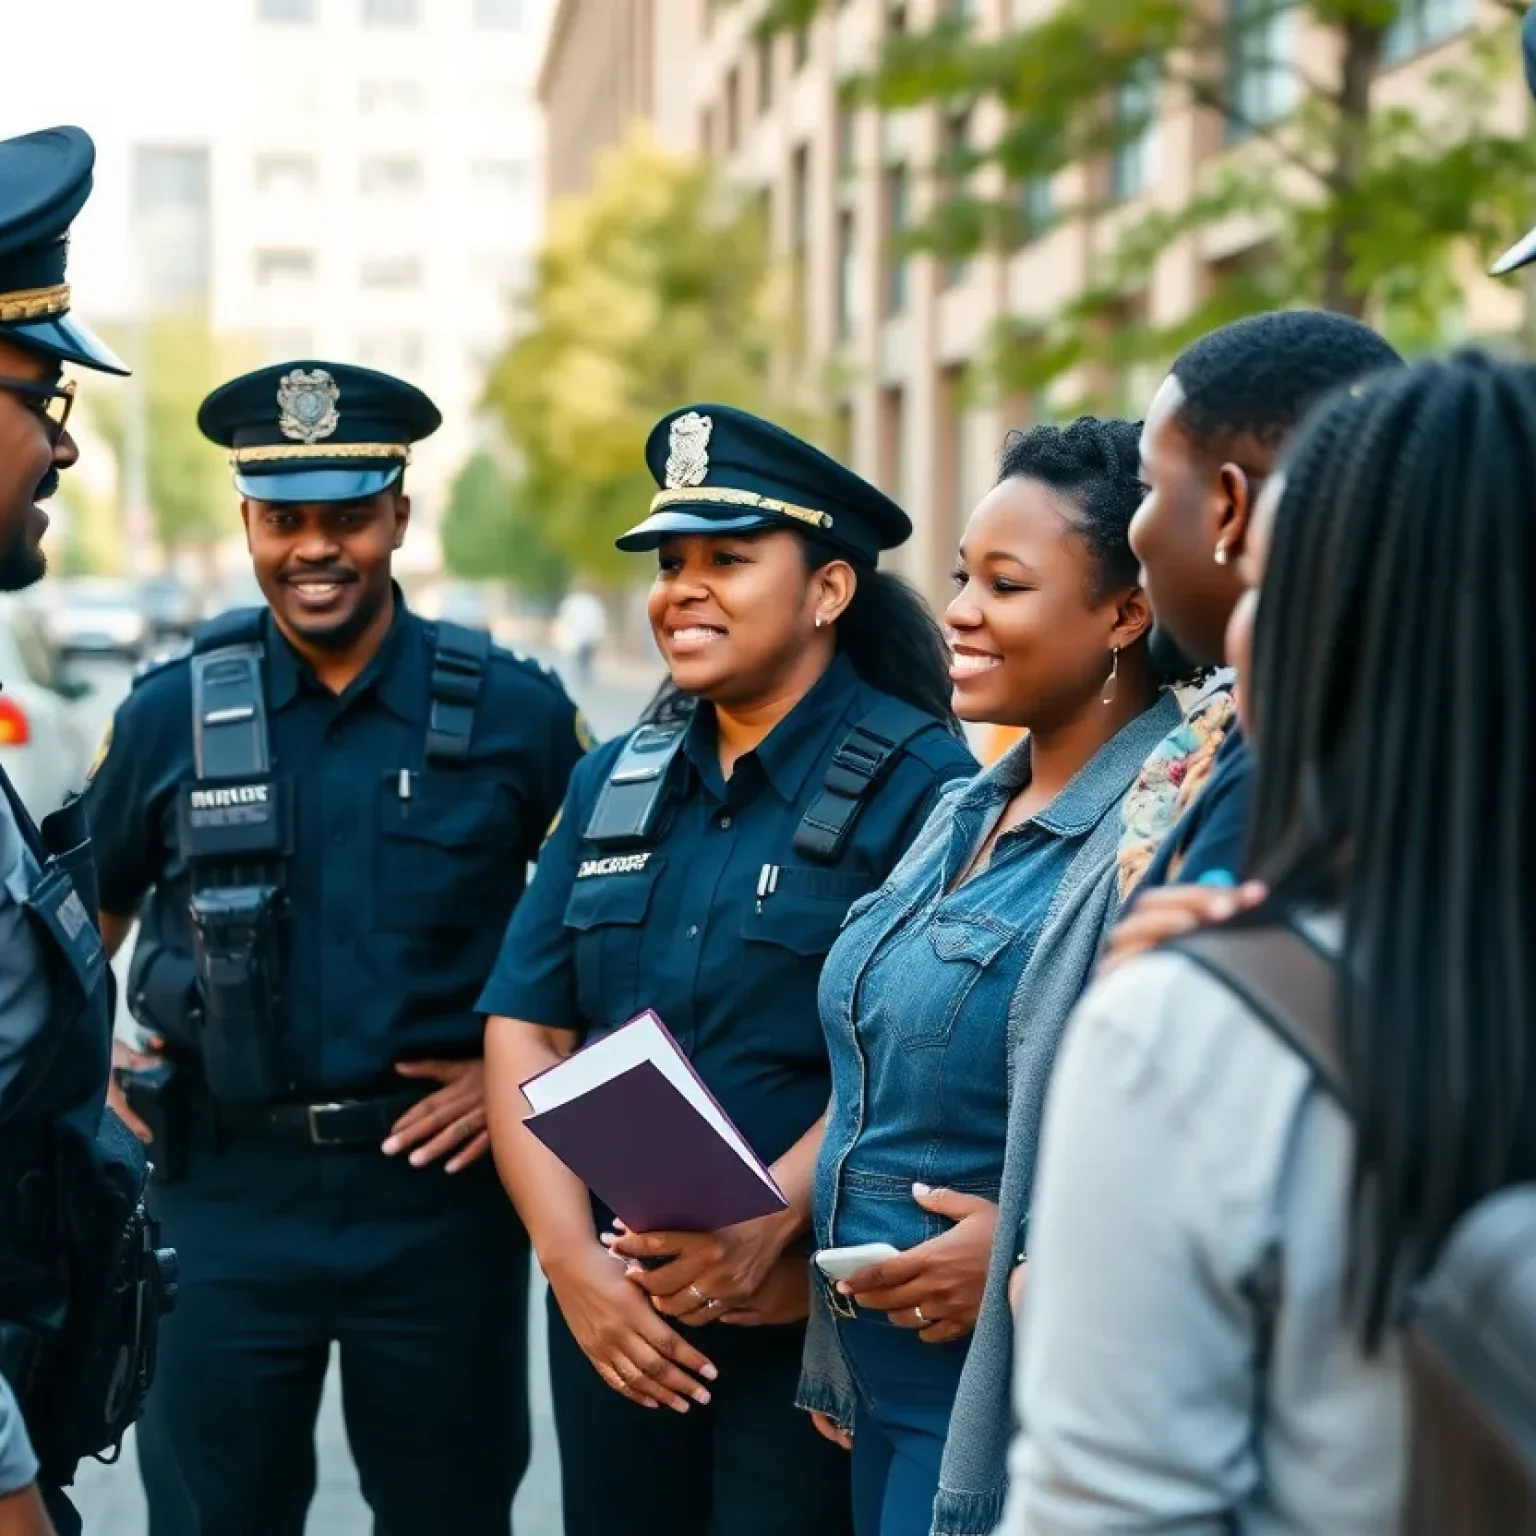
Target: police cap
{"points": [[722, 470], [313, 431], [45, 179]]}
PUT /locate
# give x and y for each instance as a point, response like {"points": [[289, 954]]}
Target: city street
{"points": [[109, 1498]]}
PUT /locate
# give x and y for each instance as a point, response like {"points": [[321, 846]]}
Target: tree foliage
{"points": [[488, 535], [652, 290], [1357, 203]]}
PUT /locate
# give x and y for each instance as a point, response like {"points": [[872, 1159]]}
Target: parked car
{"points": [[97, 616], [171, 605], [44, 744]]}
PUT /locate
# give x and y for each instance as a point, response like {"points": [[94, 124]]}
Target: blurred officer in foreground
{"points": [[79, 1278], [332, 804], [809, 734]]}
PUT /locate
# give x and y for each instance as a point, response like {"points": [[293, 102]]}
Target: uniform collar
{"points": [[1096, 786], [398, 669], [795, 745]]}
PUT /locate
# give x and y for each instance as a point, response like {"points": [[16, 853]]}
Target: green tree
{"points": [[651, 290], [1359, 202], [176, 361], [489, 536]]}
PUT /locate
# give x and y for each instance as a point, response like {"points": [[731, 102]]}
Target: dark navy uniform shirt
{"points": [[601, 935], [397, 904]]}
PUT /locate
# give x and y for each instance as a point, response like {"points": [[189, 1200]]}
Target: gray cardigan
{"points": [[973, 1479]]}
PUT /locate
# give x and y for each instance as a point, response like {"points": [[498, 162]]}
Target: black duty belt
{"points": [[335, 1123]]}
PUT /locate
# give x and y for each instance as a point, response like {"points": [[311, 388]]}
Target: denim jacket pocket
{"points": [[964, 949]]}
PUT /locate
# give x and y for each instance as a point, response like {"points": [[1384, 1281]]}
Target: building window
{"points": [[392, 272], [1420, 24], [895, 18], [892, 458], [285, 10], [898, 217], [1260, 84], [170, 224], [504, 15], [284, 268], [1036, 207], [849, 273], [1130, 169], [169, 178], [764, 74], [501, 179], [391, 351], [802, 46], [389, 96], [957, 144], [285, 175], [389, 13], [732, 111], [389, 176]]}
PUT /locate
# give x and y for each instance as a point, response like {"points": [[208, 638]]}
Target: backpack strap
{"points": [[862, 760], [458, 672], [1287, 981]]}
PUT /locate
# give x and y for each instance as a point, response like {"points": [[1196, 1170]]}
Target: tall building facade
{"points": [[359, 179], [891, 341]]}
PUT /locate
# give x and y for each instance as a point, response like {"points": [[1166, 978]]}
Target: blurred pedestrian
{"points": [[810, 730], [1209, 1336], [581, 624], [944, 997], [79, 1282], [1211, 439], [329, 806]]}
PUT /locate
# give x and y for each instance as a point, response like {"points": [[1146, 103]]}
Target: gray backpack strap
{"points": [[229, 701], [1288, 983], [458, 673]]}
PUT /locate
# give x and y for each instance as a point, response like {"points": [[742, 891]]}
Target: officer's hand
{"points": [[784, 1297], [126, 1059], [937, 1286], [1169, 911], [452, 1117], [633, 1349], [708, 1273], [829, 1429]]}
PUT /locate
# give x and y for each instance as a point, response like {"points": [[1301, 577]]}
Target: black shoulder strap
{"points": [[861, 761], [229, 699], [1287, 981], [458, 671], [23, 818]]}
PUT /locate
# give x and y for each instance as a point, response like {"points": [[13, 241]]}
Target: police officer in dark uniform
{"points": [[331, 804], [79, 1281], [703, 869]]}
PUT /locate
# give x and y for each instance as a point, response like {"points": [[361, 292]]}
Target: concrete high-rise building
{"points": [[359, 179], [899, 336]]}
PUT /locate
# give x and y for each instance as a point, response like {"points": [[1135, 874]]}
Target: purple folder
{"points": [[649, 1155]]}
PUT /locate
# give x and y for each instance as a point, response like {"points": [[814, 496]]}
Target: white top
{"points": [[1183, 1365]]}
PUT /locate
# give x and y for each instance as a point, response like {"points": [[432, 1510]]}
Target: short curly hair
{"points": [[1259, 377], [1095, 463]]}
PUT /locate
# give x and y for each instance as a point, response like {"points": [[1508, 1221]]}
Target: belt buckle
{"points": [[312, 1113]]}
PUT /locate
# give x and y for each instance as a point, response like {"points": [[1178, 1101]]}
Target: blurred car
{"points": [[97, 616], [44, 743], [171, 605]]}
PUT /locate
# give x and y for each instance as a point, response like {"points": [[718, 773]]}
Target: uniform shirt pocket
{"points": [[806, 911], [606, 914]]}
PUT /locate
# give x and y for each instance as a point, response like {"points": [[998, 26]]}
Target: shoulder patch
{"points": [[584, 737], [102, 748]]}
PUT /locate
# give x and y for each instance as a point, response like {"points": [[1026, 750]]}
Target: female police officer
{"points": [[770, 614]]}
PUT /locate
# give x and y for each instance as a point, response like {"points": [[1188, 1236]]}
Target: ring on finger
{"points": [[917, 1312], [698, 1295], [712, 1303]]}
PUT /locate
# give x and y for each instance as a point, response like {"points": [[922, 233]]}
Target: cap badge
{"points": [[688, 455], [308, 405]]}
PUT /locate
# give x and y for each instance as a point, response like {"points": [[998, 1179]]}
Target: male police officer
{"points": [[55, 1018], [333, 804]]}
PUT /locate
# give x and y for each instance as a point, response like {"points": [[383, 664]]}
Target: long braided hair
{"points": [[1393, 711]]}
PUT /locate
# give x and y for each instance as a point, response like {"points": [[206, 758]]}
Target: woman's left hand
{"points": [[937, 1286], [708, 1273]]}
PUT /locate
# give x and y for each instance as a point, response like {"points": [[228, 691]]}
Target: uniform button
{"points": [[724, 823], [693, 931]]}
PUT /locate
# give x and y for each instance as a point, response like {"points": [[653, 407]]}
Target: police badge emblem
{"points": [[688, 450], [307, 402]]}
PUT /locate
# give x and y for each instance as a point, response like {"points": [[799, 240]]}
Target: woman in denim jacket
{"points": [[944, 998]]}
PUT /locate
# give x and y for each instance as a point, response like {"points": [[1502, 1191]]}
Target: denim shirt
{"points": [[973, 1477], [920, 1063]]}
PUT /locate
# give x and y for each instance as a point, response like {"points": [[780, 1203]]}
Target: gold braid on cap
{"points": [[725, 496], [282, 453], [34, 303]]}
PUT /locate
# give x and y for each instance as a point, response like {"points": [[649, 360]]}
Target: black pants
{"points": [[419, 1277], [749, 1463]]}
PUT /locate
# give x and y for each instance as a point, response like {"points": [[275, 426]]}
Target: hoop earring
{"points": [[1112, 682]]}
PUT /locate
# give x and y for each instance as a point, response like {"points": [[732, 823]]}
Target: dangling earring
{"points": [[819, 621], [1112, 682], [1222, 554]]}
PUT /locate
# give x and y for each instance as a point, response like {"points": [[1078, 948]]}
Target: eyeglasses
{"points": [[53, 402]]}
